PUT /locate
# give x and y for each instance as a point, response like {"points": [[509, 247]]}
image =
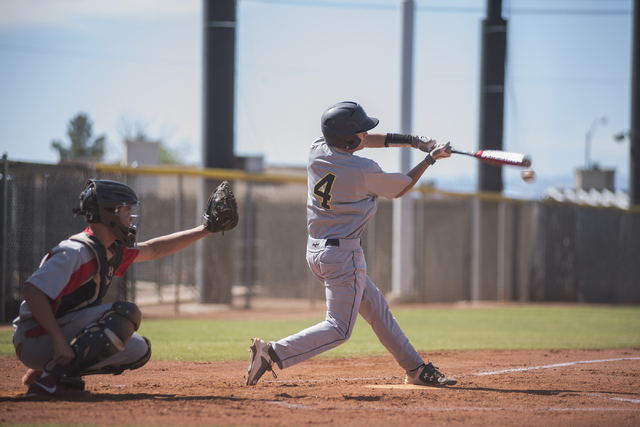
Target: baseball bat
{"points": [[498, 157]]}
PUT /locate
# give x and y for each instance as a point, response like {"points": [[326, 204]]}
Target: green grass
{"points": [[528, 327]]}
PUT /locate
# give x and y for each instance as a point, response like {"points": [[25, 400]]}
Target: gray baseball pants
{"points": [[349, 291], [34, 346]]}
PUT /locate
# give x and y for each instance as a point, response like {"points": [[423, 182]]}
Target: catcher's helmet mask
{"points": [[342, 121], [112, 204]]}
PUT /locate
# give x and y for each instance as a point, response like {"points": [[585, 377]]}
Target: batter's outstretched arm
{"points": [[166, 245], [415, 174], [381, 140], [375, 140], [439, 151]]}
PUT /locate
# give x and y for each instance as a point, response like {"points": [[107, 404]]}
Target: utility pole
{"points": [[634, 135], [218, 83], [487, 272], [403, 267], [492, 77], [218, 105]]}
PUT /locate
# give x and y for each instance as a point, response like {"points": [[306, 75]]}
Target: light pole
{"points": [[587, 140], [621, 136]]}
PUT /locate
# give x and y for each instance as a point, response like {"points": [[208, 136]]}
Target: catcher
{"points": [[64, 332]]}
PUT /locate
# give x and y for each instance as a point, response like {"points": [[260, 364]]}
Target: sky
{"points": [[139, 63]]}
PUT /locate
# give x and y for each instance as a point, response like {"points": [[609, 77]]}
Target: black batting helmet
{"points": [[342, 121], [100, 202]]}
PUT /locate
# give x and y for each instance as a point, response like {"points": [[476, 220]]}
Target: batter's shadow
{"points": [[541, 392]]}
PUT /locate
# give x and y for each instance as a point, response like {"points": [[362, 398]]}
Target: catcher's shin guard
{"points": [[101, 340], [117, 370]]}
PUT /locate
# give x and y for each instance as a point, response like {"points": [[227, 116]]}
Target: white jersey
{"points": [[343, 196], [343, 191]]}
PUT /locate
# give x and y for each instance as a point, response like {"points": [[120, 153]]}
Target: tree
{"points": [[80, 132], [169, 156]]}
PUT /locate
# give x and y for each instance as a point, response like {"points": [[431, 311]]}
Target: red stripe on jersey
{"points": [[79, 277], [128, 256]]}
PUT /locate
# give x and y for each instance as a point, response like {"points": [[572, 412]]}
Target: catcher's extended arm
{"points": [[221, 213]]}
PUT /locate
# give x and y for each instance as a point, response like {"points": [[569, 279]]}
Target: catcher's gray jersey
{"points": [[64, 270], [343, 191]]}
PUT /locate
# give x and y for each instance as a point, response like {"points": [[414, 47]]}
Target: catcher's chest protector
{"points": [[93, 290]]}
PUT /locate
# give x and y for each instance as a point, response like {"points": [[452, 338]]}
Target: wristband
{"points": [[430, 159], [398, 140]]}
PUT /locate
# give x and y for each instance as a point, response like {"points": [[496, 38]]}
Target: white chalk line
{"points": [[556, 365], [580, 362], [619, 399], [471, 409]]}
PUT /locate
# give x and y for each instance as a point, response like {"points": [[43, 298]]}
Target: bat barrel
{"points": [[497, 157]]}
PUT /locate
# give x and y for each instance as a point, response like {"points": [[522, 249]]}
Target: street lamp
{"points": [[620, 136], [587, 140]]}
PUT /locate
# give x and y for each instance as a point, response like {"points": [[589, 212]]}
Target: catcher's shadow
{"points": [[127, 397], [109, 397]]}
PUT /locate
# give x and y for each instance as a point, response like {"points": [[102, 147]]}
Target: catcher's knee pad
{"points": [[101, 340], [123, 319]]}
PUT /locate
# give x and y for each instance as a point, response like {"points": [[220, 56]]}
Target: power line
{"points": [[446, 9], [575, 12]]}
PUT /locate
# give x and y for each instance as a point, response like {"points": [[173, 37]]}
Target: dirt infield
{"points": [[550, 388]]}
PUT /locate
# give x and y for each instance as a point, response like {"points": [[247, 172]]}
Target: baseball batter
{"points": [[64, 331], [343, 192]]}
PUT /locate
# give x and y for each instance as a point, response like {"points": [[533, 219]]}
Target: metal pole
{"points": [[502, 253], [406, 84], [475, 250], [634, 137], [218, 83], [587, 140], [176, 257], [218, 109], [492, 78], [249, 241], [403, 266], [200, 249], [587, 148], [5, 239]]}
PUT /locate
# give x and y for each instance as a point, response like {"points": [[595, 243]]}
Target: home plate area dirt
{"points": [[548, 388]]}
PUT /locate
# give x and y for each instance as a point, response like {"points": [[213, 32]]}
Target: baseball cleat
{"points": [[51, 387], [427, 374], [260, 361]]}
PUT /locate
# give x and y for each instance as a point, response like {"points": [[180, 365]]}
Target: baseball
{"points": [[528, 175]]}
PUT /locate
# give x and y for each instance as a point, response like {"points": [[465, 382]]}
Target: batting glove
{"points": [[441, 151], [423, 143]]}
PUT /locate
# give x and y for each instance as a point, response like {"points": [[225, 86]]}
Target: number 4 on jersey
{"points": [[322, 189]]}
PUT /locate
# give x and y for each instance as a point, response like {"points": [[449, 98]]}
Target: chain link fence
{"points": [[467, 247]]}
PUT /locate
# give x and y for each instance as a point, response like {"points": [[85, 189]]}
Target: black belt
{"points": [[332, 242]]}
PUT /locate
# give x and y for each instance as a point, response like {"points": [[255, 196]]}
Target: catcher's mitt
{"points": [[221, 213]]}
